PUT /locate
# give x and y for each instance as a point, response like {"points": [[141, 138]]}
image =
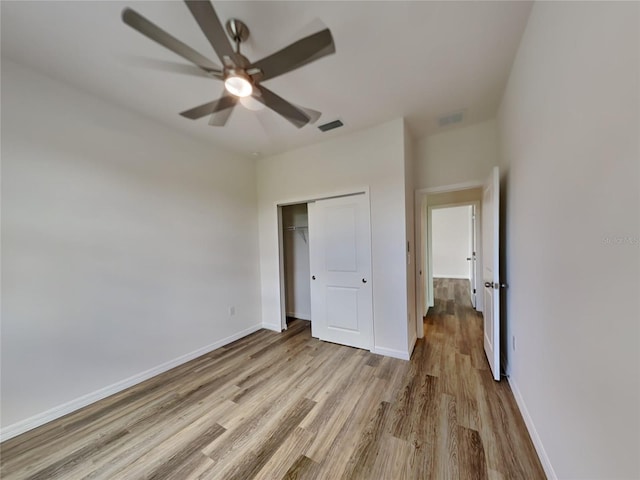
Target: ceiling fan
{"points": [[241, 77]]}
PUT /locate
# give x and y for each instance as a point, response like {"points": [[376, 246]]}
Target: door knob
{"points": [[313, 277], [364, 280], [488, 284], [469, 258]]}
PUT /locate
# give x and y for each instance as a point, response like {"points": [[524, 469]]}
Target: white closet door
{"points": [[340, 259]]}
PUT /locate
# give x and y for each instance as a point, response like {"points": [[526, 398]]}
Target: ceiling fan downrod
{"points": [[238, 31]]}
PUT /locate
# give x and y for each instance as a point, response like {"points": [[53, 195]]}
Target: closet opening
{"points": [[295, 254], [325, 281]]}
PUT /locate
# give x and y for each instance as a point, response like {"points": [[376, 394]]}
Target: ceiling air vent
{"points": [[331, 125], [450, 119]]}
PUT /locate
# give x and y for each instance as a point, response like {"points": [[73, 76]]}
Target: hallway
{"points": [[478, 429]]}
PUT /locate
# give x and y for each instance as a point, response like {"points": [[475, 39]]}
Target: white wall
{"points": [[461, 155], [123, 245], [451, 242], [373, 158], [569, 124], [296, 261]]}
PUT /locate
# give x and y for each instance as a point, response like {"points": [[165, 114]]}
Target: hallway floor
{"points": [[483, 418]]}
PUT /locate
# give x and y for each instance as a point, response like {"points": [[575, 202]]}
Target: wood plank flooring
{"points": [[286, 406]]}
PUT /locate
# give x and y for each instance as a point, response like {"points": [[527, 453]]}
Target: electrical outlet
{"points": [[232, 311], [513, 343]]}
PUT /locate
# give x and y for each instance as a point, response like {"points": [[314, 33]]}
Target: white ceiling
{"points": [[418, 60]]}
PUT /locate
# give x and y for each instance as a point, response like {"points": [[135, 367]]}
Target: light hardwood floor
{"points": [[287, 406]]}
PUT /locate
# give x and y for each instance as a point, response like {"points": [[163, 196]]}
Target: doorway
{"points": [[453, 252], [427, 201], [295, 252], [471, 236], [487, 248]]}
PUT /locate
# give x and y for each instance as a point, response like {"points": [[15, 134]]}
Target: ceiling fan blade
{"points": [[313, 115], [155, 33], [207, 18], [296, 55], [224, 102], [281, 106], [219, 118], [170, 66]]}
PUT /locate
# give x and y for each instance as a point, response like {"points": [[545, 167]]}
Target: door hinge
{"points": [[474, 291]]}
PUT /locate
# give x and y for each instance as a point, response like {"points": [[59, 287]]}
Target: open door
{"points": [[340, 260], [472, 258], [490, 274]]}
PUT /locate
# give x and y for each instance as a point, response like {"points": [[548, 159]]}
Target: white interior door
{"points": [[490, 274], [340, 259], [472, 256]]}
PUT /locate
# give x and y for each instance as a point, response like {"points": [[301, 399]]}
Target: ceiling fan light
{"points": [[238, 86]]}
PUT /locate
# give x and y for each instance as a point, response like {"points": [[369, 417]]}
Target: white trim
{"points": [[323, 196], [39, 419], [300, 316], [452, 188], [412, 344], [390, 352], [537, 442], [461, 277], [281, 272]]}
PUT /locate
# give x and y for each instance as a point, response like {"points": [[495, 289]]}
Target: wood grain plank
{"points": [[362, 460], [291, 450], [186, 459], [303, 469], [472, 462], [258, 458]]}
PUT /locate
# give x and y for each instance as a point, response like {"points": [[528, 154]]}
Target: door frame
{"points": [[420, 219], [281, 270]]}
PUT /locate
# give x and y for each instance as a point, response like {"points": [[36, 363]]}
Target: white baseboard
{"points": [[390, 352], [537, 442], [301, 316], [272, 326], [39, 419]]}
